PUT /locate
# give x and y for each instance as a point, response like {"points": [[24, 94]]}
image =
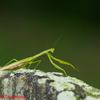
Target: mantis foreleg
{"points": [[60, 61], [49, 56]]}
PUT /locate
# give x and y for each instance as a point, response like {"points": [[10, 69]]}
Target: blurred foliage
{"points": [[28, 27]]}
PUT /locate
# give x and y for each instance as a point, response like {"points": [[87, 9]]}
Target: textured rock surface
{"points": [[37, 85]]}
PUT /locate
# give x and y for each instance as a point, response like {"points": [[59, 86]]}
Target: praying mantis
{"points": [[30, 60]]}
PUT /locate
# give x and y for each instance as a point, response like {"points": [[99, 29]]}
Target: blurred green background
{"points": [[28, 27]]}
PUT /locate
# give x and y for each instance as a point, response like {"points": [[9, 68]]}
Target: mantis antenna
{"points": [[58, 39]]}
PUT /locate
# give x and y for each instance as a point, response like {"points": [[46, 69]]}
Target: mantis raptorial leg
{"points": [[60, 61]]}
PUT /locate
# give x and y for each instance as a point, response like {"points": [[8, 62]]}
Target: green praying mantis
{"points": [[30, 60]]}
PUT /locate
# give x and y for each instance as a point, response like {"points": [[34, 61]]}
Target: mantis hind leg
{"points": [[34, 62], [28, 66], [11, 61]]}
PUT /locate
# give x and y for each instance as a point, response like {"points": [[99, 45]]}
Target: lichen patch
{"points": [[40, 73], [42, 81], [91, 98], [61, 86], [66, 94]]}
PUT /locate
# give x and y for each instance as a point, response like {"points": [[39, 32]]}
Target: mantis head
{"points": [[52, 50]]}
